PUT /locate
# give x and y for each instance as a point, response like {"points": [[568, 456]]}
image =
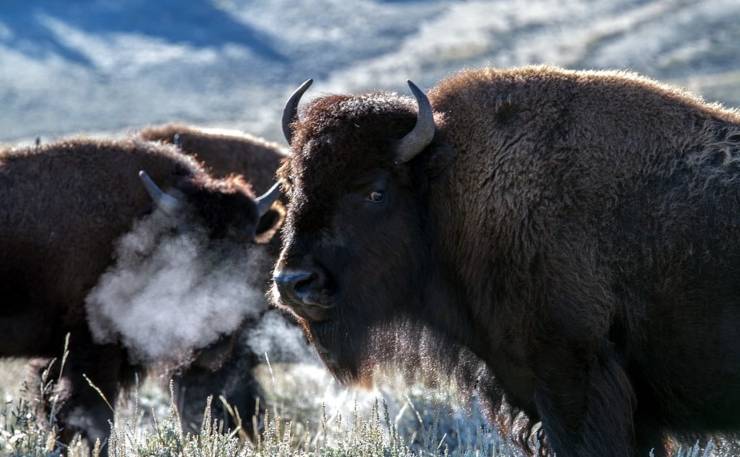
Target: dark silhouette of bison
{"points": [[64, 206], [225, 368], [579, 232]]}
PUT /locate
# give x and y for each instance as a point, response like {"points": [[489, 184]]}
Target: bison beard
{"points": [[576, 232]]}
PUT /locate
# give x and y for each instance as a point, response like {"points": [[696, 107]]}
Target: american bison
{"points": [[64, 206], [223, 154], [577, 231]]}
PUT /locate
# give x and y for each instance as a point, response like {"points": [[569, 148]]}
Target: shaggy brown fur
{"points": [[579, 232], [63, 206], [223, 154]]}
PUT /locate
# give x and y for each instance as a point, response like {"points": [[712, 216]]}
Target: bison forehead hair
{"points": [[340, 134]]}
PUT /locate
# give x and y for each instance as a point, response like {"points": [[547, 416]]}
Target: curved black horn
{"points": [[162, 199], [291, 109], [423, 133], [265, 201]]}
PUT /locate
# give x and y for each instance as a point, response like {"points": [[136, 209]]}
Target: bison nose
{"points": [[291, 283], [303, 289]]}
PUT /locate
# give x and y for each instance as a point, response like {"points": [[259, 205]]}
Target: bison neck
{"points": [[481, 317], [467, 303], [481, 245]]}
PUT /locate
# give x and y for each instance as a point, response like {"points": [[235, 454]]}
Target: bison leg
{"points": [[234, 381], [586, 406], [194, 387], [80, 408]]}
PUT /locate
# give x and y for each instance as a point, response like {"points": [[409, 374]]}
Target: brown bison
{"points": [[579, 232], [64, 206], [225, 368], [223, 153]]}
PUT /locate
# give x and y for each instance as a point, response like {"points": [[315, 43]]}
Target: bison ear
{"points": [[269, 224]]}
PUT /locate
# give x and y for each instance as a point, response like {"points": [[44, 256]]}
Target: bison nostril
{"points": [[305, 285], [300, 286]]}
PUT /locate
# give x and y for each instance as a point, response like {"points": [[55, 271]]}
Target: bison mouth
{"points": [[314, 312]]}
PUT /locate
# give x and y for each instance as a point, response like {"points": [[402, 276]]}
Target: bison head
{"points": [[358, 262], [225, 207]]}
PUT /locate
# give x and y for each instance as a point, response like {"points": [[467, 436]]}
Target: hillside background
{"points": [[102, 66]]}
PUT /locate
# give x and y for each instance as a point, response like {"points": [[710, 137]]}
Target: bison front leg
{"points": [[89, 410], [80, 408], [586, 403]]}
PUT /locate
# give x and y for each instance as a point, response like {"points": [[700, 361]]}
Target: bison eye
{"points": [[376, 196]]}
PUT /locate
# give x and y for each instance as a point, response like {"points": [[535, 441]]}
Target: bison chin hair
{"points": [[355, 345], [356, 351]]}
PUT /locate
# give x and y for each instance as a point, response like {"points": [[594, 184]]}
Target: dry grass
{"points": [[308, 414]]}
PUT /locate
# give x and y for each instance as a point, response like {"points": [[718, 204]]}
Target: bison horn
{"points": [[419, 138], [291, 109], [164, 201], [265, 201]]}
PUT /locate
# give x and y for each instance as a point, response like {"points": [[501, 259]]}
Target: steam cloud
{"points": [[281, 340], [170, 292]]}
